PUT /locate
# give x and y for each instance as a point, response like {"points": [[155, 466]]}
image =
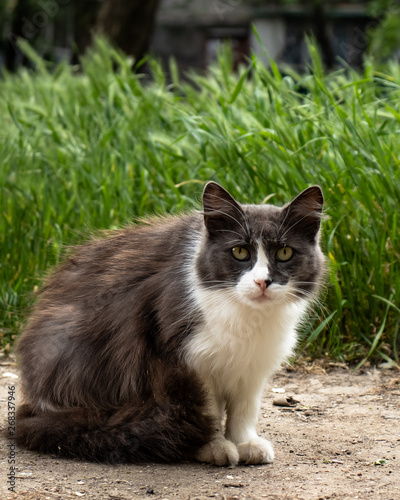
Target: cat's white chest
{"points": [[237, 345]]}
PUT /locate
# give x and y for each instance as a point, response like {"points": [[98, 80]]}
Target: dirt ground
{"points": [[341, 441]]}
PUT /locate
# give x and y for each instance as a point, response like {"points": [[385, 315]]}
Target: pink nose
{"points": [[263, 284]]}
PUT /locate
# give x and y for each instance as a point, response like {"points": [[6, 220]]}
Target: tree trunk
{"points": [[319, 28], [85, 16], [128, 24], [21, 27]]}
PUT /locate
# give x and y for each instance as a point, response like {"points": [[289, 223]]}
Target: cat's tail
{"points": [[158, 434]]}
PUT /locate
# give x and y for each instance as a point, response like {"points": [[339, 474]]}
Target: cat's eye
{"points": [[284, 254], [240, 253]]}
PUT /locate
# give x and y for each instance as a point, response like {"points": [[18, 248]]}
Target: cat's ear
{"points": [[304, 213], [221, 210]]}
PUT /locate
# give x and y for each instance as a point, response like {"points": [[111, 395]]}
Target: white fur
{"points": [[243, 340]]}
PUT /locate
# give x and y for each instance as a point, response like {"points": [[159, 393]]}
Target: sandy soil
{"points": [[341, 441]]}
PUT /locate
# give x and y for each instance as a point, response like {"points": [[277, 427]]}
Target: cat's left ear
{"points": [[304, 213], [221, 210]]}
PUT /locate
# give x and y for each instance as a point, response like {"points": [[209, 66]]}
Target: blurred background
{"points": [[190, 30], [88, 143]]}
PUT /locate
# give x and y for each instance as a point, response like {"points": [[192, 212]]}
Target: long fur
{"points": [[165, 430], [99, 360], [141, 341]]}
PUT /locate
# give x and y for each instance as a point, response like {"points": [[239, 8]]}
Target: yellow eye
{"points": [[284, 254], [240, 253]]}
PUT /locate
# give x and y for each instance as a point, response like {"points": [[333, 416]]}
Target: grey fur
{"points": [[100, 358]]}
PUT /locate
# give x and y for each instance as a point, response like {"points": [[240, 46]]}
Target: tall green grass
{"points": [[95, 146]]}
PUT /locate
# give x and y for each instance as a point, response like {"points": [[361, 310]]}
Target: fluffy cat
{"points": [[154, 343]]}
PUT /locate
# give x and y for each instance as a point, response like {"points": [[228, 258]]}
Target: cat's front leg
{"points": [[241, 430], [219, 451], [256, 450]]}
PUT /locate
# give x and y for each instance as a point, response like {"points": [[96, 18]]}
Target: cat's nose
{"points": [[263, 284]]}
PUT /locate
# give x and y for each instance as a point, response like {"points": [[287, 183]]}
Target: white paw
{"points": [[256, 451], [219, 451]]}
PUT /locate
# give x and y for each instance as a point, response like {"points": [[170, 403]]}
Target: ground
{"points": [[341, 441]]}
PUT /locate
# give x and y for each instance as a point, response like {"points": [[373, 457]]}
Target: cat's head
{"points": [[262, 254]]}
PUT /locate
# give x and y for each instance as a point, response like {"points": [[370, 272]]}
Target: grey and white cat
{"points": [[154, 343]]}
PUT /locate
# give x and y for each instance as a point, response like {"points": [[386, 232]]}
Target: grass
{"points": [[93, 147]]}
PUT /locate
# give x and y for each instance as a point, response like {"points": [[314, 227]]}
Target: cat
{"points": [[155, 342]]}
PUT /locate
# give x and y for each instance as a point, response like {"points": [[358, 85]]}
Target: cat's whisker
{"points": [[316, 215], [216, 282], [235, 206], [240, 236], [301, 294], [287, 211], [225, 214]]}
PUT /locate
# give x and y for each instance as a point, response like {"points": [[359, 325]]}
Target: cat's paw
{"points": [[219, 451], [256, 451]]}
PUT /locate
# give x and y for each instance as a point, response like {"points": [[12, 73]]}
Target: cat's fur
{"points": [[142, 341]]}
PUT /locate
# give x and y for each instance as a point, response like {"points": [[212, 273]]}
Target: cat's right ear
{"points": [[221, 210]]}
